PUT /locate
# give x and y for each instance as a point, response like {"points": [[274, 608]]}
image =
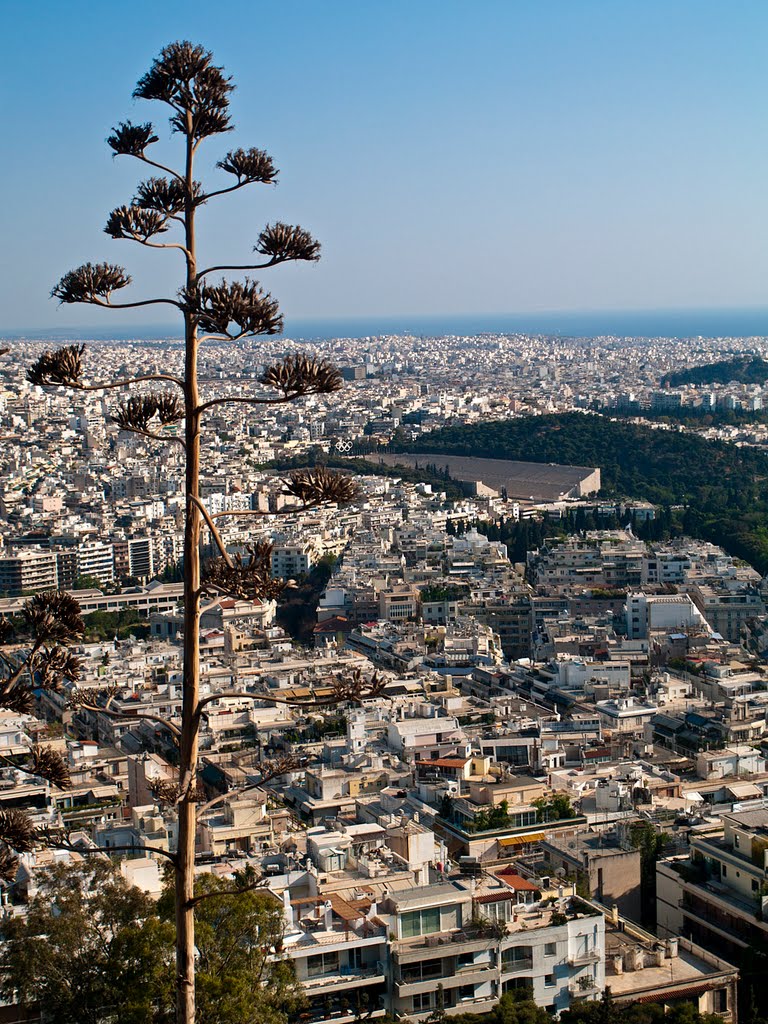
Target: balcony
{"points": [[461, 941], [584, 991], [583, 959], [339, 1016], [462, 969], [516, 966], [450, 981], [348, 977], [314, 933]]}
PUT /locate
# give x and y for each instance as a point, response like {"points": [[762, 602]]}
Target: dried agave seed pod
{"points": [[170, 409], [244, 304], [55, 664], [249, 165], [9, 864], [78, 696], [164, 791], [131, 139], [134, 222], [90, 282], [184, 76], [20, 699], [321, 485], [165, 195], [17, 830], [298, 375], [63, 366], [247, 579], [50, 765], [287, 242], [275, 767], [136, 413], [53, 616]]}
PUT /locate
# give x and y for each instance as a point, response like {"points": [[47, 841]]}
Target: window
{"points": [[724, 870], [755, 885], [518, 985], [518, 958], [549, 980], [422, 1002], [322, 963], [466, 992], [425, 970], [420, 922], [500, 911], [550, 949], [720, 1000]]}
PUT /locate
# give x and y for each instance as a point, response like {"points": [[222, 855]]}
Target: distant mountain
{"points": [[750, 370]]}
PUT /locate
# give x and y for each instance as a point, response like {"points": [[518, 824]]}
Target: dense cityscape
{"points": [[558, 788], [384, 518]]}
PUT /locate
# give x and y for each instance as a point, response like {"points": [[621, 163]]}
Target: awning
{"points": [[744, 790], [533, 837]]}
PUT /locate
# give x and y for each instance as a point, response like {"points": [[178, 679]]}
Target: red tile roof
{"points": [[516, 881], [447, 762], [494, 897], [676, 993]]}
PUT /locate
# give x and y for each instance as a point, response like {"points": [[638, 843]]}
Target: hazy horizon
{"points": [[709, 322]]}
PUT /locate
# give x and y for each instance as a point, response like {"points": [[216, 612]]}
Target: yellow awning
{"points": [[533, 837]]}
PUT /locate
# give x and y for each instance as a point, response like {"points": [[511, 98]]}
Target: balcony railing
{"points": [[344, 974], [583, 959], [515, 966], [578, 991]]}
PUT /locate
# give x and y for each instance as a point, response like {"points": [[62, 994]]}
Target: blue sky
{"points": [[452, 157]]}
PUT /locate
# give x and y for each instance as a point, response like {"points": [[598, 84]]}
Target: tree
{"points": [[88, 582], [556, 808], [239, 978], [651, 844], [90, 945], [607, 1011], [34, 654], [515, 1007], [185, 79]]}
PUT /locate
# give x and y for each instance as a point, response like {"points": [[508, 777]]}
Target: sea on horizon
{"points": [[674, 323]]}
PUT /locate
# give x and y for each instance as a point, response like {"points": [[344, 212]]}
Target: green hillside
{"points": [[747, 370], [725, 488]]}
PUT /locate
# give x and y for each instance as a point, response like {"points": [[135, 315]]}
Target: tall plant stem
{"points": [[185, 864]]}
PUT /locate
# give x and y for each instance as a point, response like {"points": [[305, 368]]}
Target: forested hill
{"points": [[725, 487], [746, 370]]}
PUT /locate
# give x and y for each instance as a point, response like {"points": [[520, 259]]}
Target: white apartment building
{"points": [[28, 571], [293, 559], [464, 949], [646, 614]]}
